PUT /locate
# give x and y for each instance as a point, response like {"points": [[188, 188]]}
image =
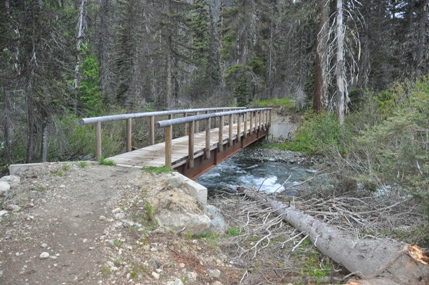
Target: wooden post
{"points": [[185, 126], [191, 145], [259, 123], [197, 124], [263, 119], [230, 122], [220, 142], [129, 134], [238, 127], [207, 150], [269, 123], [97, 127], [152, 130], [168, 138], [251, 122], [245, 125]]}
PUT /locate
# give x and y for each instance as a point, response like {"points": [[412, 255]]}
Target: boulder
{"points": [[217, 224], [4, 188], [195, 224], [13, 180]]}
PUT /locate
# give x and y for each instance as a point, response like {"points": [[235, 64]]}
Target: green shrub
{"points": [[156, 169], [103, 161], [319, 133]]}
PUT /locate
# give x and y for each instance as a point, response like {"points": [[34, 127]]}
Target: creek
{"points": [[268, 171]]}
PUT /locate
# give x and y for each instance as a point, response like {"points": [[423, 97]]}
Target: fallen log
{"points": [[375, 262]]}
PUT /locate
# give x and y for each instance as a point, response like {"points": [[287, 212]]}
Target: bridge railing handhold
{"points": [[259, 119], [96, 121]]}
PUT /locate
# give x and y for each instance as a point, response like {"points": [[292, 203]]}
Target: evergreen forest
{"points": [[358, 69]]}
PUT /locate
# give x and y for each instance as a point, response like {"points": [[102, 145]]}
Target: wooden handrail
{"points": [[261, 117], [96, 121]]}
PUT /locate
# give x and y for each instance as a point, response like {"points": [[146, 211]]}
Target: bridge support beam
{"points": [[203, 161]]}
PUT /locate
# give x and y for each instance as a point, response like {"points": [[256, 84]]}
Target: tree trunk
{"points": [[321, 51], [78, 59], [372, 260], [423, 18], [44, 153], [340, 72]]}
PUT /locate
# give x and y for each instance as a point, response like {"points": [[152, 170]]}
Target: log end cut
{"points": [[411, 266]]}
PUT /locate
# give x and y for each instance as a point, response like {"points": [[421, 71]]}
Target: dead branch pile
{"points": [[374, 260]]}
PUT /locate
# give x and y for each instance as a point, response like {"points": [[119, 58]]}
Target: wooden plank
{"points": [[154, 155]]}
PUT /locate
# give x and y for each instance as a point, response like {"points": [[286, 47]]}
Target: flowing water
{"points": [[243, 170]]}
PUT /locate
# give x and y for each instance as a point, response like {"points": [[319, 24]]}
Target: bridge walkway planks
{"points": [[154, 155]]}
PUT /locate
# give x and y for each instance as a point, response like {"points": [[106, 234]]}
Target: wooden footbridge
{"points": [[208, 137]]}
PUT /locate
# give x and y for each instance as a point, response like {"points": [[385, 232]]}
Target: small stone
{"points": [[110, 264], [13, 207], [44, 255], [3, 213], [217, 283], [155, 275], [193, 276], [119, 216], [117, 210], [175, 282], [44, 245], [215, 273], [182, 265], [102, 218]]}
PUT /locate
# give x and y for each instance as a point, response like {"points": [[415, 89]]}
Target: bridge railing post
{"points": [[220, 142], [207, 148], [238, 127], [152, 130], [245, 125], [230, 123], [197, 124], [97, 127], [129, 134], [251, 122], [168, 139], [191, 145]]}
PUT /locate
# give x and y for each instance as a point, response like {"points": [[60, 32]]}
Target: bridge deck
{"points": [[154, 155]]}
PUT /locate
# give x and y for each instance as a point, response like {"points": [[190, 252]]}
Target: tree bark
{"points": [[78, 59], [423, 18], [340, 72], [321, 50], [372, 260]]}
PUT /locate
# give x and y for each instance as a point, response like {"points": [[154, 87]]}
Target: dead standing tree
{"points": [[376, 262]]}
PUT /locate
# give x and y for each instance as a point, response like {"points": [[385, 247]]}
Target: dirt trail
{"points": [[62, 205]]}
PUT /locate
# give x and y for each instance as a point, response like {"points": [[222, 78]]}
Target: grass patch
{"points": [[233, 231], [156, 169], [103, 161], [284, 103], [117, 243], [105, 271], [57, 172], [82, 164]]}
